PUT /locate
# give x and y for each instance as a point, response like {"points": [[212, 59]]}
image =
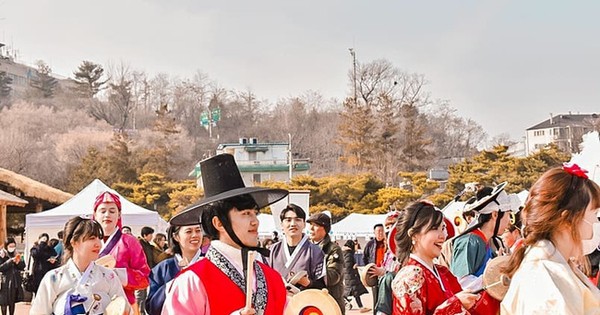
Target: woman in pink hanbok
{"points": [[131, 265]]}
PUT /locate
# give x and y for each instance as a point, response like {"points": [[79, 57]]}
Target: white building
{"points": [[564, 130], [260, 162]]}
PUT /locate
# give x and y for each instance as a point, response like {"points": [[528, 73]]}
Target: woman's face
{"points": [[90, 248], [189, 238], [429, 244], [107, 214], [585, 226]]}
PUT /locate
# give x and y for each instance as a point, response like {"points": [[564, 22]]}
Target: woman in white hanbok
{"points": [[561, 226], [79, 286]]}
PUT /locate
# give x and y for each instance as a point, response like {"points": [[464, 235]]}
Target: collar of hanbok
{"points": [[545, 250], [234, 255], [74, 271], [431, 268]]}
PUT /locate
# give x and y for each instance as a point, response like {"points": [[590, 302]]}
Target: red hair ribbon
{"points": [[575, 170]]}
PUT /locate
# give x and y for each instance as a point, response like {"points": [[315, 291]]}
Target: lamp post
{"points": [[291, 164]]}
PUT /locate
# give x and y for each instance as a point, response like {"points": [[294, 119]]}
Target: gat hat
{"points": [[488, 200], [321, 219], [222, 180]]}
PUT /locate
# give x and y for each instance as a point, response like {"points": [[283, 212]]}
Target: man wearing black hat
{"points": [[228, 214], [319, 227]]}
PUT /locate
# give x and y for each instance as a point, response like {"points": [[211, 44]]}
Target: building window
{"points": [[538, 133], [540, 146], [256, 178]]}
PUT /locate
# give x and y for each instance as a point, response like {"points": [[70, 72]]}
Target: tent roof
{"points": [[33, 188], [357, 224], [82, 203], [11, 200]]}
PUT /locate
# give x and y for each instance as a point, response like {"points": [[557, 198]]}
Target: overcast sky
{"points": [[506, 64]]}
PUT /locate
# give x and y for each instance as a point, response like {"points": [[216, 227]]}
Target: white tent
{"points": [[266, 226], [356, 225], [53, 220]]}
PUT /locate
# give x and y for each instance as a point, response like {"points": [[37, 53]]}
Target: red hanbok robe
{"points": [[417, 290]]}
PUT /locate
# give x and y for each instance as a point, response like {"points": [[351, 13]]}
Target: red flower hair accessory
{"points": [[575, 170]]}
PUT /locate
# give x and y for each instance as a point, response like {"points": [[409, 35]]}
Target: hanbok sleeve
{"points": [[45, 295], [137, 270], [467, 256], [410, 289], [186, 295]]}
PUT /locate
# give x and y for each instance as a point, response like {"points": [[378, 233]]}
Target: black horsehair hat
{"points": [[222, 180]]}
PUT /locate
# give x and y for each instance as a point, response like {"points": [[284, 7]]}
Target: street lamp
{"points": [[290, 156]]}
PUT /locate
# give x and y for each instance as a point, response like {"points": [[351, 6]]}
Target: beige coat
{"points": [[546, 283]]}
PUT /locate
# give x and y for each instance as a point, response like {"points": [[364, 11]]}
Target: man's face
{"points": [[107, 214], [245, 225], [126, 231], [292, 225], [379, 233], [149, 237], [316, 232]]}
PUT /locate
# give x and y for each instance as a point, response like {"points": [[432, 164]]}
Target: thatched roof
{"points": [[7, 199], [33, 188]]}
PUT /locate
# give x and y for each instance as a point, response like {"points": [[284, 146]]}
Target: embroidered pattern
{"points": [[405, 286], [259, 298]]}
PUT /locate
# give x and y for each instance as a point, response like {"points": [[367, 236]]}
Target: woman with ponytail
{"points": [[421, 286], [561, 226]]}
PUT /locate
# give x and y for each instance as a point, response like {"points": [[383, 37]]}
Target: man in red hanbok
{"points": [[228, 214]]}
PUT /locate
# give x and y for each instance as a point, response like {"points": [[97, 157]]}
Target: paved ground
{"points": [[367, 300]]}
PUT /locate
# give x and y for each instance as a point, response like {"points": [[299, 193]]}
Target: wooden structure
{"points": [[20, 195], [6, 200]]}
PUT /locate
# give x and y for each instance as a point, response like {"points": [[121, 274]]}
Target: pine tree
{"points": [[44, 82], [356, 135], [89, 79], [5, 88]]}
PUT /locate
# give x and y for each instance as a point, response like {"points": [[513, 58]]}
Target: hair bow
{"points": [[574, 169]]}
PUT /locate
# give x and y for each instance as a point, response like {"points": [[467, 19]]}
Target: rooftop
{"points": [[564, 120]]}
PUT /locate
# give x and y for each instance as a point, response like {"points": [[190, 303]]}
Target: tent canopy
{"points": [[53, 220], [356, 225]]}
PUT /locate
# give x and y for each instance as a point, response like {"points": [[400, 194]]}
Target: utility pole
{"points": [[291, 166], [353, 53]]}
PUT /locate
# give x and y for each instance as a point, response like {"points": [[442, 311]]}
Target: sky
{"points": [[505, 64]]}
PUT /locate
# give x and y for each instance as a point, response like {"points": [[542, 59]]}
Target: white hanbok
{"points": [[546, 283], [99, 287]]}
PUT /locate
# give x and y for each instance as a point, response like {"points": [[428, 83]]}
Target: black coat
{"points": [[353, 286], [11, 291], [40, 254]]}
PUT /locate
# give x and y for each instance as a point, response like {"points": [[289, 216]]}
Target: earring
{"points": [[413, 242]]}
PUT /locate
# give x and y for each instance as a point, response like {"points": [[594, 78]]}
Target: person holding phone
{"points": [[11, 266]]}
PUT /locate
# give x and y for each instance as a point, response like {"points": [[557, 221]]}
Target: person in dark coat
{"points": [[352, 285], [44, 259], [11, 265]]}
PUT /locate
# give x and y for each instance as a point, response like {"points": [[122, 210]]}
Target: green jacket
{"points": [[334, 261]]}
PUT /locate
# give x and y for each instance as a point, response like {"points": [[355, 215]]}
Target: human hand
{"points": [[304, 281], [247, 311], [376, 271], [355, 266], [52, 260], [467, 299]]}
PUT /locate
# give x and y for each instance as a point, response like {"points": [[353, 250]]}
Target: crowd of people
{"points": [[210, 260]]}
